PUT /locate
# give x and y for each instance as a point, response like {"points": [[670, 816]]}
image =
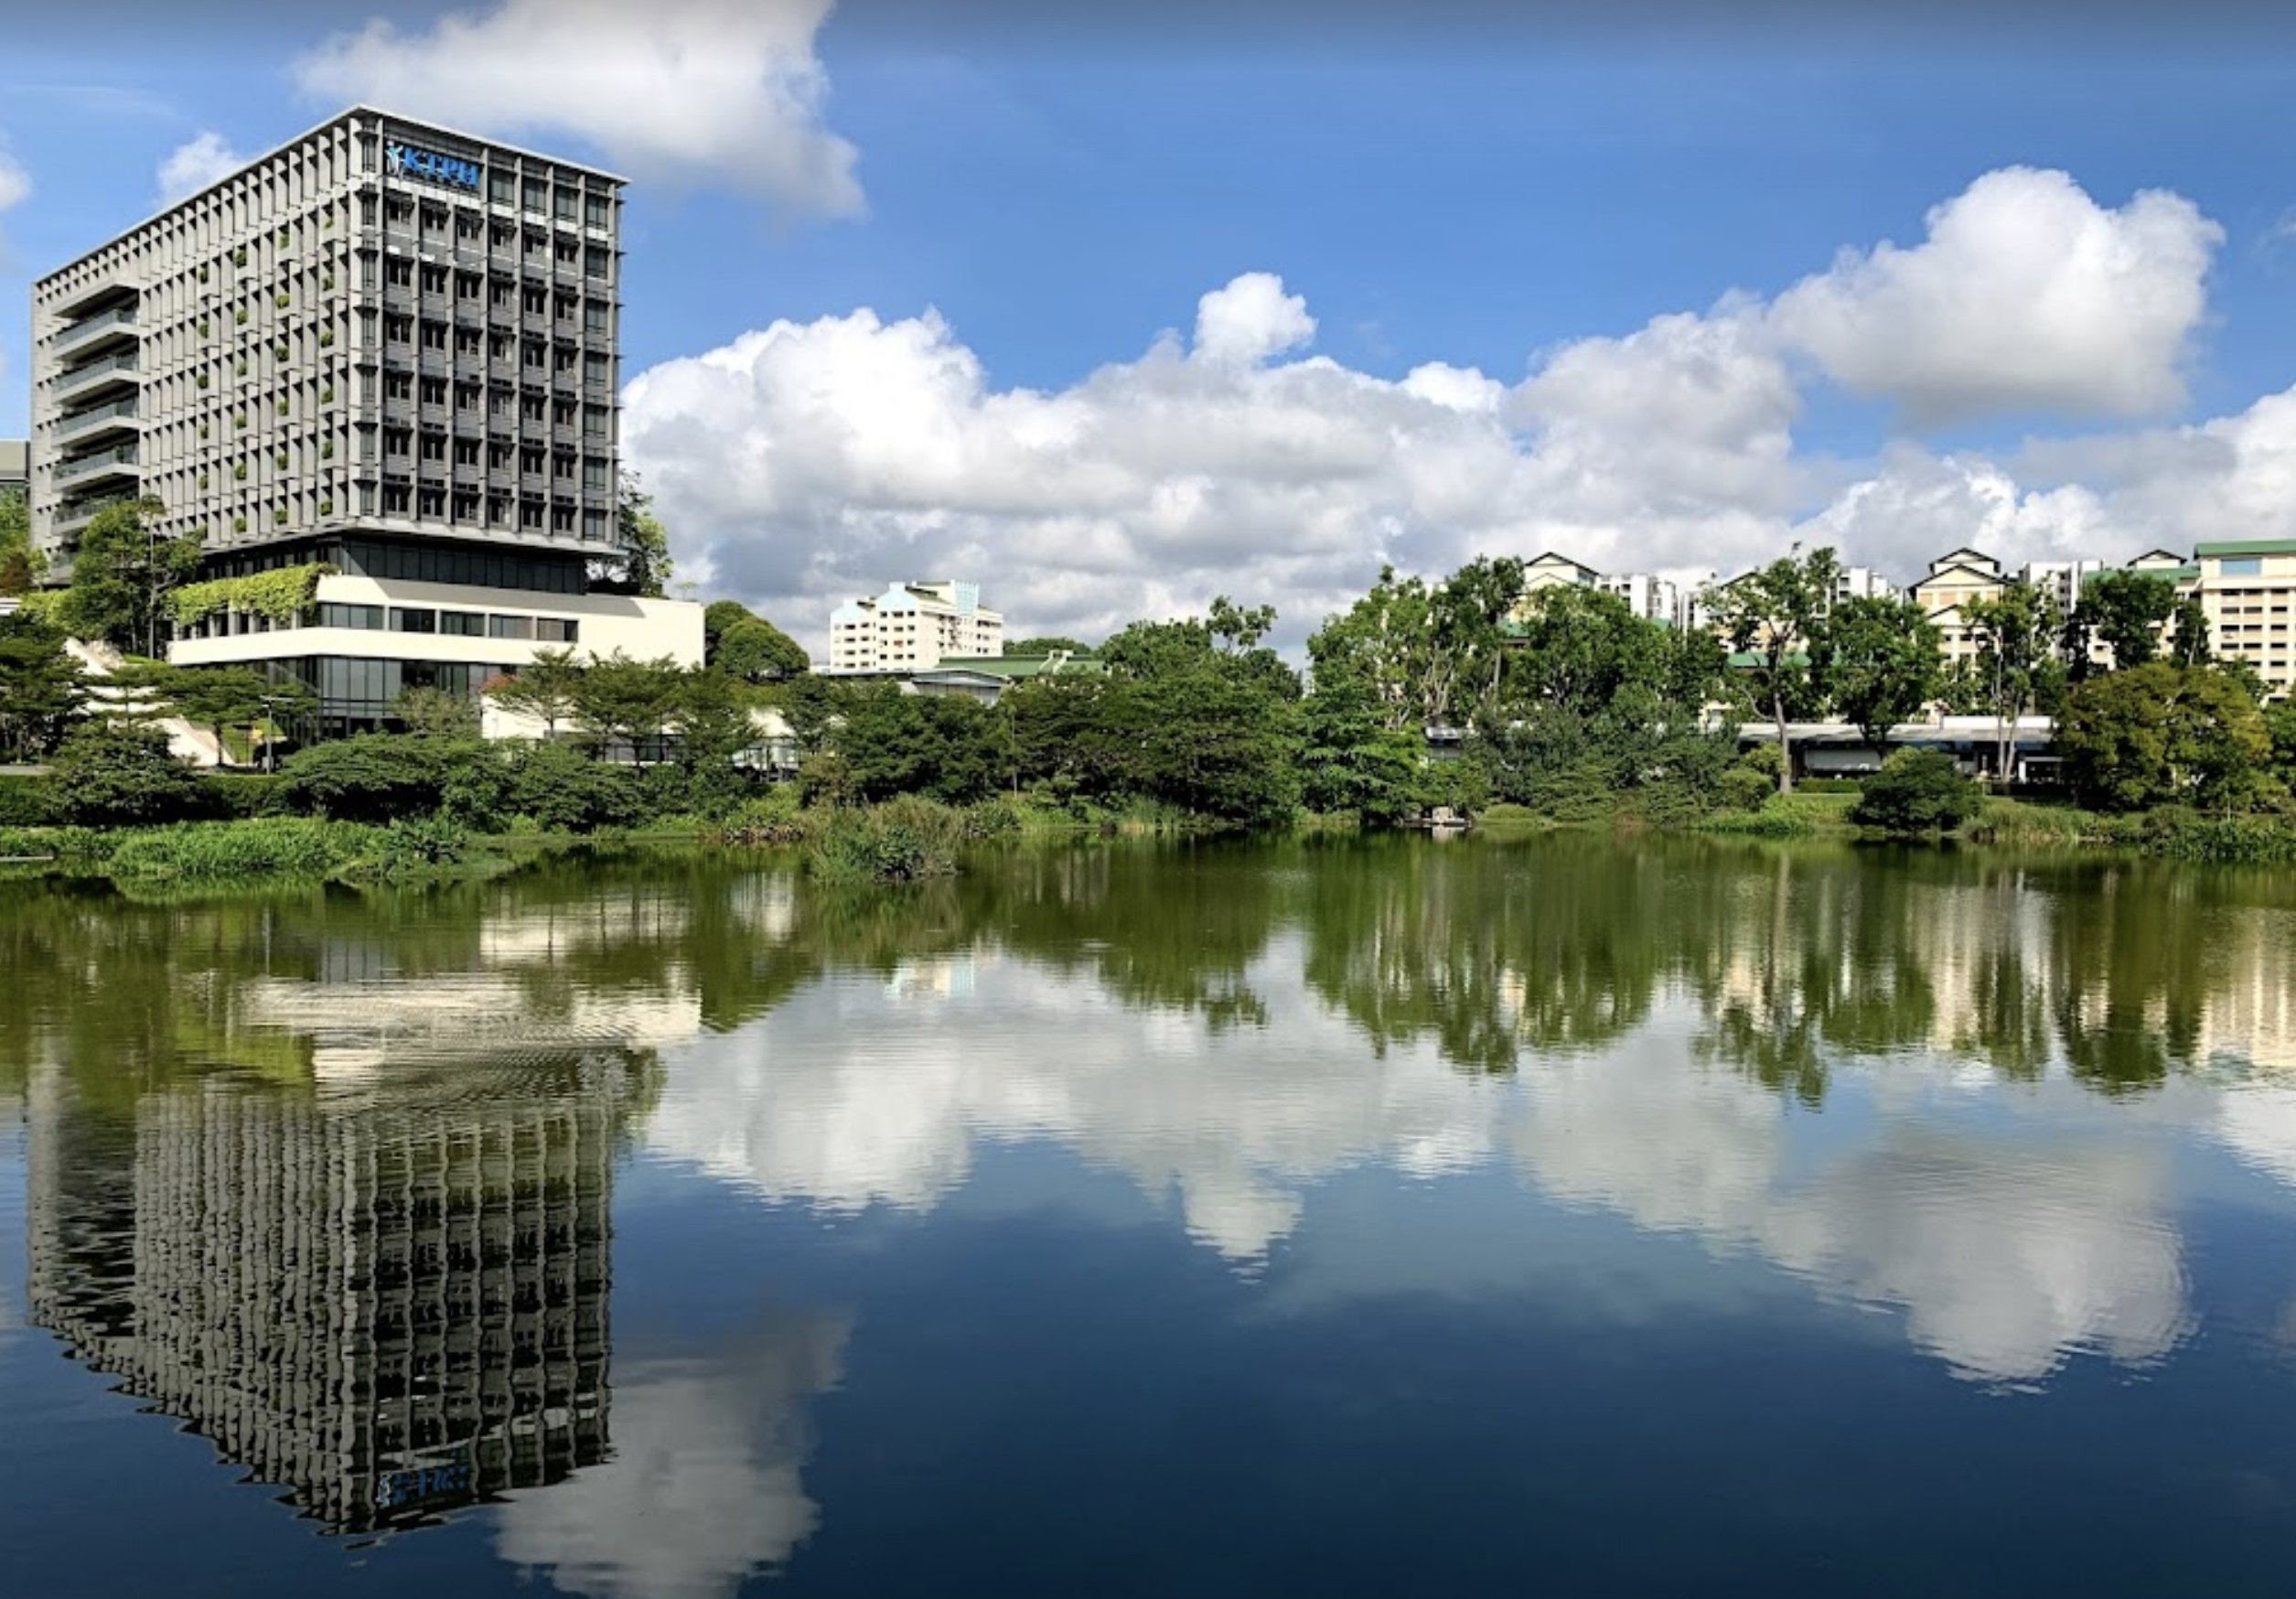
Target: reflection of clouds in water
{"points": [[2258, 1123], [2005, 1254], [868, 1100], [704, 1484]]}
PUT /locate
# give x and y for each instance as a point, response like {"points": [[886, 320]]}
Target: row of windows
{"points": [[475, 568], [433, 502], [348, 684], [567, 253], [460, 624]]}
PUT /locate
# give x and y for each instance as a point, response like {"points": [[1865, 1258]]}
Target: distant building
{"points": [[1956, 581], [987, 677], [1863, 582], [913, 626], [2246, 585], [16, 465], [1651, 597], [2062, 580]]}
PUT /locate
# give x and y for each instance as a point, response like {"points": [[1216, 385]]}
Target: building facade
{"points": [[912, 627], [2245, 586], [16, 465], [386, 349], [1955, 581], [1647, 595]]}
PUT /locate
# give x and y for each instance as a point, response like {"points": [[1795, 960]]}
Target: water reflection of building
{"points": [[390, 1310]]}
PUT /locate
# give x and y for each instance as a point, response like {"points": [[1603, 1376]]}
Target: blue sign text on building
{"points": [[413, 161]]}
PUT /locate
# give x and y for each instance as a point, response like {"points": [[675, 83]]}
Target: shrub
{"points": [[567, 791], [413, 845], [1917, 792], [240, 795], [375, 776], [23, 802], [115, 774], [295, 846], [774, 817], [1743, 786], [906, 839]]}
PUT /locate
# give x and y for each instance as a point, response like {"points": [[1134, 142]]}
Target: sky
{"points": [[1112, 309]]}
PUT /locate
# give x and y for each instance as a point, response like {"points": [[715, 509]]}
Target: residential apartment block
{"points": [[2245, 588], [384, 348], [913, 626], [16, 465]]}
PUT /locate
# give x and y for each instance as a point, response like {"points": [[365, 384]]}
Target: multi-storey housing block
{"points": [[386, 350], [913, 626]]}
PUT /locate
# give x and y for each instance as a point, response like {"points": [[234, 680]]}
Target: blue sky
{"points": [[1491, 198]]}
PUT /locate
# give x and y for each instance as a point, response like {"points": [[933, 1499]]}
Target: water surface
{"points": [[1562, 1215]]}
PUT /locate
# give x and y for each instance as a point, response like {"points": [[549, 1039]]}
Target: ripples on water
{"points": [[608, 1196]]}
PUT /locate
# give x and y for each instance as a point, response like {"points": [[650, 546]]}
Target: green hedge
{"points": [[23, 802]]}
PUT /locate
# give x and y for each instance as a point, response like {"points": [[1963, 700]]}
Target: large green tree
{"points": [[644, 566], [618, 698], [114, 773], [2163, 733], [122, 574], [1772, 616], [2126, 612], [1876, 660], [18, 569], [742, 644], [1385, 642], [41, 689]]}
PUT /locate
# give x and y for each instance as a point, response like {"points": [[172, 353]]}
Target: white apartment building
{"points": [[2062, 580], [386, 353], [2246, 586], [1647, 595], [912, 627]]}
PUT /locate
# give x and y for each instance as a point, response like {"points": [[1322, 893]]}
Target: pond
{"points": [[1386, 1216]]}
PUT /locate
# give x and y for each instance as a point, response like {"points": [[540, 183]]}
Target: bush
{"points": [[23, 802], [240, 795], [903, 840], [291, 846], [1917, 792], [118, 774], [415, 845], [1745, 786], [376, 776], [567, 791], [774, 817]]}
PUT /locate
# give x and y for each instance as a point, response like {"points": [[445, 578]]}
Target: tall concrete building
{"points": [[385, 351], [16, 465]]}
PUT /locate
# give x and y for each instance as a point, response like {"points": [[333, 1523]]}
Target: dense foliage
{"points": [[1917, 792]]}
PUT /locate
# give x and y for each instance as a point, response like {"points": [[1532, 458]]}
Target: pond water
{"points": [[1366, 1216]]}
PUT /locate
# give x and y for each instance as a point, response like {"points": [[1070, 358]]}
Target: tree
{"points": [[742, 644], [714, 729], [1917, 792], [618, 698], [644, 566], [19, 566], [437, 713], [1876, 658], [1774, 615], [2188, 633], [2124, 611], [1348, 761], [122, 574], [111, 773], [217, 697], [1049, 644], [546, 689], [2163, 735], [41, 691], [1384, 641], [2016, 633]]}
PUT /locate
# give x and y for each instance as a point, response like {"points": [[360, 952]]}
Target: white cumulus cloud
{"points": [[727, 91], [803, 463], [1251, 319], [198, 161], [2027, 295]]}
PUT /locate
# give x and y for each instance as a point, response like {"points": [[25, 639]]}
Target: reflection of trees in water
{"points": [[1487, 951]]}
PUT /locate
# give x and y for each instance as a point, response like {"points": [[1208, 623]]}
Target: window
{"points": [[433, 390], [569, 202], [430, 502], [502, 187], [500, 293], [397, 386], [465, 452], [556, 631], [535, 302], [510, 627], [594, 315], [434, 336], [562, 467], [463, 624], [537, 196], [469, 342], [434, 280], [595, 210], [593, 477], [534, 407], [414, 619], [593, 261], [397, 441], [2241, 567], [369, 617], [398, 329], [595, 370], [398, 274]]}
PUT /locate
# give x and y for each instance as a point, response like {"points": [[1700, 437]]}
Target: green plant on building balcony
{"points": [[203, 481], [282, 595], [279, 302], [202, 380], [279, 516], [203, 271], [327, 395], [203, 326], [203, 430], [239, 256], [328, 282], [279, 350], [238, 367], [239, 316], [327, 339], [327, 450], [280, 460], [238, 471], [238, 525], [281, 409], [327, 507], [239, 419]]}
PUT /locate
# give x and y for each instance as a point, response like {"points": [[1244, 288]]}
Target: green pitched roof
{"points": [[1016, 667]]}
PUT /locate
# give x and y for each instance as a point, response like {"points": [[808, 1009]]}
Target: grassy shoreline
{"points": [[909, 838]]}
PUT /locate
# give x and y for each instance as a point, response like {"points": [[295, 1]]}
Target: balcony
{"points": [[117, 462], [110, 373], [87, 426], [77, 514], [97, 332]]}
